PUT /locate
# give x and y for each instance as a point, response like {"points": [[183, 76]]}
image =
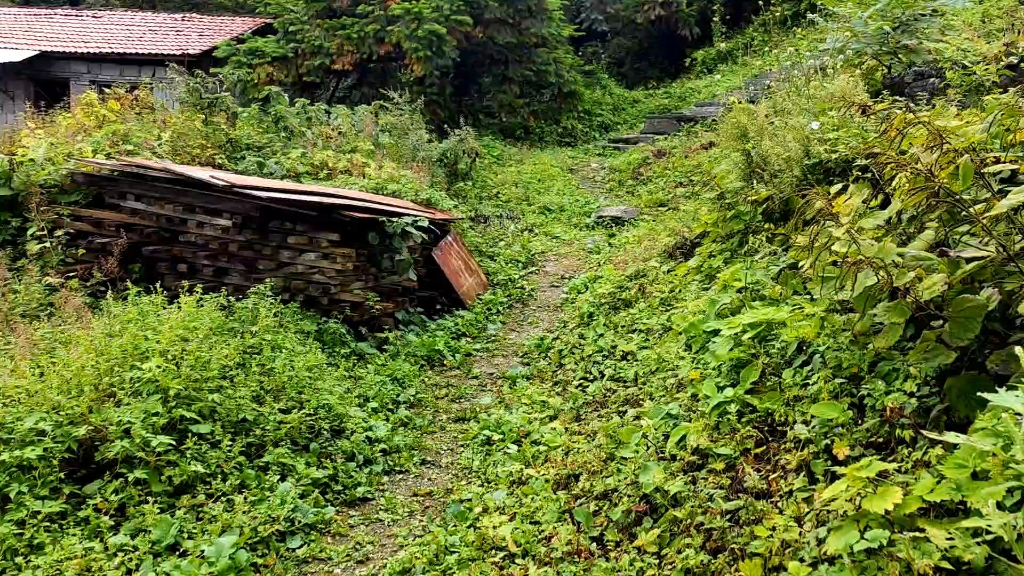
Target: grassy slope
{"points": [[620, 445], [680, 418]]}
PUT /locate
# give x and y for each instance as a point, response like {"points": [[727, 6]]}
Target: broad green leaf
{"points": [[677, 433], [842, 537], [887, 252], [991, 296], [648, 541], [924, 485], [828, 410], [93, 487], [1000, 168], [7, 191], [868, 468], [629, 434], [750, 374], [864, 279], [1012, 399], [201, 428], [931, 355], [909, 505], [980, 498], [795, 568], [872, 539], [1006, 362], [164, 531], [966, 314], [877, 535], [752, 567], [883, 500], [962, 391], [932, 286], [945, 491], [960, 464], [835, 489], [893, 312], [1009, 202], [889, 335], [966, 172], [583, 515], [709, 389], [241, 557], [222, 546], [958, 438], [650, 472]]}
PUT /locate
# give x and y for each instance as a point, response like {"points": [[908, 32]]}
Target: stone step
{"points": [[619, 147], [695, 114], [753, 90], [632, 139], [661, 124]]}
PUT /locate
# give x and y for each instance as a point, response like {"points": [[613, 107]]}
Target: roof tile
{"points": [[134, 32]]}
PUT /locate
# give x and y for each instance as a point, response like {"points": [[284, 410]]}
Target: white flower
{"points": [[815, 125]]}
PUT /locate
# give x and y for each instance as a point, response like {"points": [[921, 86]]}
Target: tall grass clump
{"points": [[203, 435]]}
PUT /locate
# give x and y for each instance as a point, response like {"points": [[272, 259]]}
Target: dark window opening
{"points": [[48, 94], [103, 87]]}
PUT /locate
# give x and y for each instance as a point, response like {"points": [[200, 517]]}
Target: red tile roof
{"points": [[136, 32]]}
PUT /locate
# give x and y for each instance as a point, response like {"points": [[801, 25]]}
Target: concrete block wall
{"points": [[86, 74], [101, 71], [82, 75], [15, 94]]}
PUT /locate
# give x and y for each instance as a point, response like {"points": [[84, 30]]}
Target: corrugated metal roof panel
{"points": [[460, 268]]}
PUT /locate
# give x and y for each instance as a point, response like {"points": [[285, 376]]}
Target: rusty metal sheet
{"points": [[122, 167], [201, 173], [256, 184], [460, 268], [390, 210]]}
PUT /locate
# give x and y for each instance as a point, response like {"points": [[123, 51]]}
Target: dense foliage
{"points": [[209, 435], [643, 41], [819, 374], [804, 358], [502, 65]]}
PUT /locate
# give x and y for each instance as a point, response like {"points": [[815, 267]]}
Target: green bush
{"points": [[501, 66], [204, 435], [809, 365]]}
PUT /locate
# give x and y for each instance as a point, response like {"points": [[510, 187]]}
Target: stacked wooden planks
{"points": [[326, 248]]}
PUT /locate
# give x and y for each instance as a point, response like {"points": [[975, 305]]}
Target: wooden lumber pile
{"points": [[327, 248]]}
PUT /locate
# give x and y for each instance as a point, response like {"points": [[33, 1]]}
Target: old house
{"points": [[49, 55]]}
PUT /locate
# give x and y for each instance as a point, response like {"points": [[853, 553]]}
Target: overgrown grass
{"points": [[210, 435], [807, 364], [802, 359]]}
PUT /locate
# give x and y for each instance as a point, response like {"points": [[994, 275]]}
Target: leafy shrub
{"points": [[643, 41], [640, 41], [501, 66], [785, 399], [208, 434]]}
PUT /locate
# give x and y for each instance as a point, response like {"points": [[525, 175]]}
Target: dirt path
{"points": [[408, 501]]}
